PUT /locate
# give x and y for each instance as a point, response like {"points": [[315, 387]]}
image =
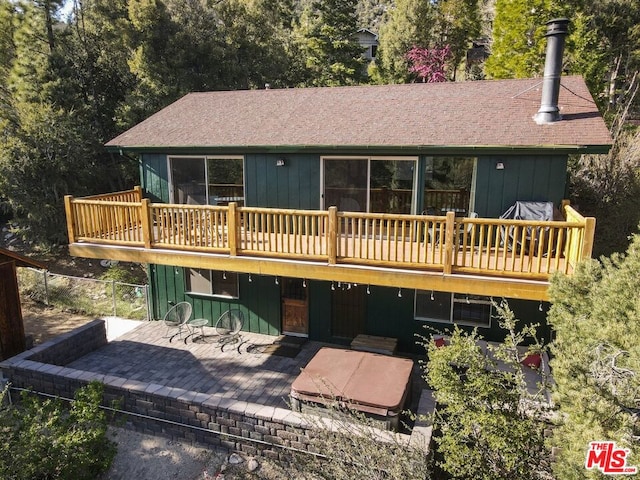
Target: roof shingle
{"points": [[495, 113]]}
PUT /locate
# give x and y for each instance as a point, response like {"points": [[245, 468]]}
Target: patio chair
{"points": [[176, 320], [228, 328]]}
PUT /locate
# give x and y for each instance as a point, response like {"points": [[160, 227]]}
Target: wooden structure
{"points": [[255, 240], [12, 340], [336, 212]]}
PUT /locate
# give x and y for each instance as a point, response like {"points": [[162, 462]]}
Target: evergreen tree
{"points": [[326, 40], [518, 48], [596, 316], [459, 23], [407, 25]]}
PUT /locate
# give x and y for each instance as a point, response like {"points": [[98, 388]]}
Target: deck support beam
{"points": [[397, 278]]}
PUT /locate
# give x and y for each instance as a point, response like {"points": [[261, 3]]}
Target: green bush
{"points": [[45, 440]]}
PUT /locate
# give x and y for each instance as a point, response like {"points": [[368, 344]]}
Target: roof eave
{"points": [[381, 149]]}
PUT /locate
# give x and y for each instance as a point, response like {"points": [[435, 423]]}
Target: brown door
{"points": [[295, 307], [348, 310]]}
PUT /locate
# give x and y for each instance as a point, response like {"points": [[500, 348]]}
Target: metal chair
{"points": [[176, 319], [228, 328]]}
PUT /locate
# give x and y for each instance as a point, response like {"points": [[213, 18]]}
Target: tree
{"points": [[607, 187], [459, 23], [518, 47], [429, 64], [325, 36], [490, 426], [408, 24], [596, 316]]}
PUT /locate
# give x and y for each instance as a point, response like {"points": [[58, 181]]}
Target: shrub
{"points": [[43, 440]]}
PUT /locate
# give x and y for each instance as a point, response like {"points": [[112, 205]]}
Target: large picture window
{"points": [[215, 180], [212, 282], [445, 307]]}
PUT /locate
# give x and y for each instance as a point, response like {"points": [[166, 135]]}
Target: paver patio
{"points": [[143, 354]]}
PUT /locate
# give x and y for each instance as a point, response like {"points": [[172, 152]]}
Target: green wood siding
{"points": [[526, 178], [294, 185], [259, 299], [154, 177]]}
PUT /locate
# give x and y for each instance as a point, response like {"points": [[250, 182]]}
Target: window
{"points": [[473, 310], [216, 180], [448, 184], [370, 184], [212, 282]]}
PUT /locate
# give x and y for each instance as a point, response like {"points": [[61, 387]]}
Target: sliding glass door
{"points": [[207, 180], [369, 184]]}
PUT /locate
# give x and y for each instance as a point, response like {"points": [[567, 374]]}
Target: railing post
{"points": [[147, 225], [332, 239], [138, 193], [71, 224], [448, 242], [232, 230], [589, 233]]}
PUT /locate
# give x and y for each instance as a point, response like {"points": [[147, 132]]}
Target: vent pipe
{"points": [[556, 32]]}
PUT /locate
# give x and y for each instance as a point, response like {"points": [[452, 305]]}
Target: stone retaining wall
{"points": [[156, 409]]}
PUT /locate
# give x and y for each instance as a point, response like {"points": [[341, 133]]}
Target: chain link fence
{"points": [[88, 296]]}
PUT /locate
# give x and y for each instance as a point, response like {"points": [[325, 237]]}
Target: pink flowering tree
{"points": [[429, 64]]}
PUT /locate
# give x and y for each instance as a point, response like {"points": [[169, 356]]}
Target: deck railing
{"points": [[513, 248]]}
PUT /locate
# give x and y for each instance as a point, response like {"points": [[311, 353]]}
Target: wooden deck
{"points": [[233, 237]]}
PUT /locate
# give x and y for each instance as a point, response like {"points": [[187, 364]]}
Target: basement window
{"points": [[212, 282], [453, 308]]}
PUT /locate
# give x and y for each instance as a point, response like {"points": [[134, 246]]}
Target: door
{"points": [[348, 310], [369, 184], [295, 307]]}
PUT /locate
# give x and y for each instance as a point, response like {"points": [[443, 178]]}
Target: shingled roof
{"points": [[474, 115]]}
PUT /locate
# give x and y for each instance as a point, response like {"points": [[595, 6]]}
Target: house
{"points": [[12, 338], [369, 42], [333, 212]]}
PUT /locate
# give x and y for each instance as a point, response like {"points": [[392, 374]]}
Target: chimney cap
{"points": [[557, 26]]}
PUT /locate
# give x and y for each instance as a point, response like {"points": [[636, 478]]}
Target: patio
{"points": [[247, 375]]}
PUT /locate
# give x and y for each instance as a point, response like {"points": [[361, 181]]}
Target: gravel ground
{"points": [[148, 457]]}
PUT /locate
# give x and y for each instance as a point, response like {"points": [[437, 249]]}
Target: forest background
{"points": [[71, 81]]}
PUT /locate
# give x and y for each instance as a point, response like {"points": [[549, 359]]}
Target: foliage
{"points": [[490, 425], [607, 187], [459, 23], [408, 24], [601, 46], [44, 440], [596, 317], [429, 64], [518, 38], [325, 38], [351, 446]]}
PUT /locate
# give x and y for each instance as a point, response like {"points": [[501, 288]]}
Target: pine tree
{"points": [[326, 39], [596, 359]]}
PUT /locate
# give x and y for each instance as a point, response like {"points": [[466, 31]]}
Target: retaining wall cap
{"points": [[213, 401], [253, 408], [152, 387], [238, 407], [134, 385], [200, 398], [265, 413], [226, 403]]}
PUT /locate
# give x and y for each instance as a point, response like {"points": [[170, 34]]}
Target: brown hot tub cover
{"points": [[371, 382]]}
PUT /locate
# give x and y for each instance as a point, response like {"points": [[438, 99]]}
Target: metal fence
{"points": [[87, 296]]}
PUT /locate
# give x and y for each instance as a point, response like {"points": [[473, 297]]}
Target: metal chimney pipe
{"points": [[556, 32]]}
